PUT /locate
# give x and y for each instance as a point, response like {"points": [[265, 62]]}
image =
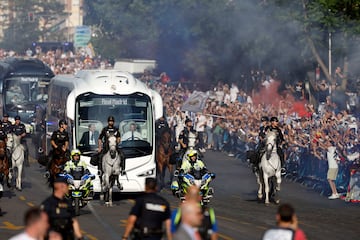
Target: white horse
{"points": [[111, 170], [269, 166], [17, 151]]}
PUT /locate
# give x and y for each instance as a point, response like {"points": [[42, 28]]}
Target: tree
{"points": [[317, 19], [24, 28]]}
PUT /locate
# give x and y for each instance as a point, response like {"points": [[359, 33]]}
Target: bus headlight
{"points": [[147, 173]]}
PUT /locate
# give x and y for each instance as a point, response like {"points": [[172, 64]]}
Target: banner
{"points": [[196, 102]]}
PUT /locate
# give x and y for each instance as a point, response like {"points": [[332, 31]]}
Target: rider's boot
{"points": [[48, 166], [122, 166], [26, 158], [282, 160], [9, 158]]}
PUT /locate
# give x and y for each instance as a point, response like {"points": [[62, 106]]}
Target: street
{"points": [[239, 214]]}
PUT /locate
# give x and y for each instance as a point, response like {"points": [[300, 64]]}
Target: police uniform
{"points": [[61, 213], [6, 125], [151, 211], [3, 135], [60, 138], [106, 132], [160, 126]]}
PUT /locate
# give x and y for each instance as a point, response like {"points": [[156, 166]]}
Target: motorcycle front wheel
{"points": [[77, 206]]}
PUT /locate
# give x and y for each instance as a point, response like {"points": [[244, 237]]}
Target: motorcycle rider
{"points": [[19, 130], [280, 141], [76, 163], [59, 139], [184, 138], [193, 162], [110, 129]]}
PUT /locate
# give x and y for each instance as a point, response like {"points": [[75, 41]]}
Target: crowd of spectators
{"points": [[233, 121], [62, 62], [233, 113]]}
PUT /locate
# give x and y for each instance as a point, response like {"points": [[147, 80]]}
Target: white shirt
{"points": [[210, 122], [22, 236], [233, 93], [201, 123], [332, 157], [92, 138]]}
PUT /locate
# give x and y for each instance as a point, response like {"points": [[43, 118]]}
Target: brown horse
{"points": [[60, 157], [163, 153], [4, 163]]}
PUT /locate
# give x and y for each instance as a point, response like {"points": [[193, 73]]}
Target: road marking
{"points": [[89, 236], [222, 236], [123, 223], [22, 198], [30, 204], [10, 226]]}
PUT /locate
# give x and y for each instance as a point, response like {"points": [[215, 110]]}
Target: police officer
{"points": [[160, 125], [59, 140], [148, 215], [280, 141], [110, 129], [6, 124], [19, 130], [184, 137], [76, 162], [60, 211]]}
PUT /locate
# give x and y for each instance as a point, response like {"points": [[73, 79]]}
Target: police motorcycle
{"points": [[79, 180], [80, 187], [198, 176]]}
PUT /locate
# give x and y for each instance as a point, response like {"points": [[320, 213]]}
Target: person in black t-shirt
{"points": [[59, 140], [148, 215], [61, 212]]}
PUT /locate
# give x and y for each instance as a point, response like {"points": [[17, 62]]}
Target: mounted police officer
{"points": [[184, 137], [19, 130], [6, 124], [160, 125], [59, 140], [148, 215], [61, 213], [280, 141], [103, 145]]}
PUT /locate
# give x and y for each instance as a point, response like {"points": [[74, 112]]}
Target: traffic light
{"points": [[31, 16]]}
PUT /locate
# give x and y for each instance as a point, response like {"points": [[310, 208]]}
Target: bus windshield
{"points": [[133, 118], [25, 90]]}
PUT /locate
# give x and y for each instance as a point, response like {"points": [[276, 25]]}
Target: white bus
{"points": [[88, 98]]}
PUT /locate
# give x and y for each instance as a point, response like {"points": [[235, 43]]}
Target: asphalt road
{"points": [[239, 215]]}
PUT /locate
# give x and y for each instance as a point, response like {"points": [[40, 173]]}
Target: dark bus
{"points": [[24, 88]]}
